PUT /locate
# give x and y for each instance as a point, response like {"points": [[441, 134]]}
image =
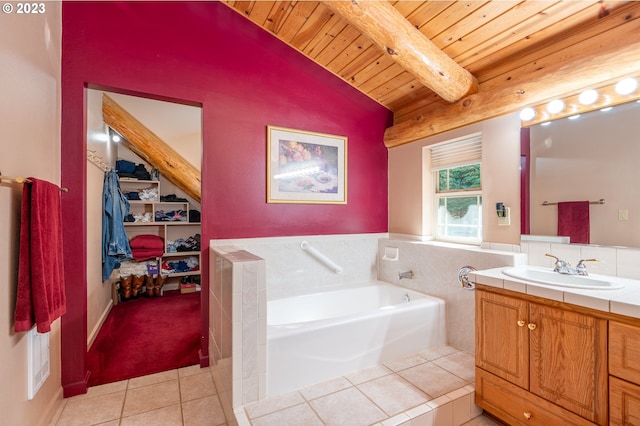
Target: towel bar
{"points": [[20, 179], [600, 201]]}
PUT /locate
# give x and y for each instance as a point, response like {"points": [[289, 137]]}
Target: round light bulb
{"points": [[115, 138], [555, 106], [626, 86], [527, 114], [573, 117], [588, 97]]}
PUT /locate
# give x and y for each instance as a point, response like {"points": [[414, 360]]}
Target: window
{"points": [[458, 190]]}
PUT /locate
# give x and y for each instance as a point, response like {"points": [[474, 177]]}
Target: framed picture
{"points": [[306, 167]]}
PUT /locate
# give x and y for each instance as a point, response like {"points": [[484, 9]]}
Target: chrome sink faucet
{"points": [[561, 266], [581, 268]]}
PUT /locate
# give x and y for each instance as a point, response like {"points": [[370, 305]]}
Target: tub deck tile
{"points": [[393, 394], [434, 387], [300, 414], [271, 405], [367, 374], [432, 380], [348, 407], [405, 362], [460, 363], [325, 388], [438, 352]]}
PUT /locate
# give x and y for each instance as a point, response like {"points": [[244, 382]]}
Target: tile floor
{"points": [[432, 388], [182, 397]]}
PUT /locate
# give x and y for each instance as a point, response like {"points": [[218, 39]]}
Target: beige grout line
{"points": [[124, 401], [180, 401]]}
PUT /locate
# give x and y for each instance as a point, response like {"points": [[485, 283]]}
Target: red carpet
{"points": [[146, 336]]}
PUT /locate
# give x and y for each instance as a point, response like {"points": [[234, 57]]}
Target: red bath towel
{"points": [[573, 221], [40, 295], [145, 247]]}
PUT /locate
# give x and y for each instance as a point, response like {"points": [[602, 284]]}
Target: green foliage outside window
{"points": [[459, 178]]}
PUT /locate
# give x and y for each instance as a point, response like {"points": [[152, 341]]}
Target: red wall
{"points": [[206, 54]]}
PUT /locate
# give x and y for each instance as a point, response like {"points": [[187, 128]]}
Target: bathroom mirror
{"points": [[588, 158]]}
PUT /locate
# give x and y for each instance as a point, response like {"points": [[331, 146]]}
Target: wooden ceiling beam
{"points": [[616, 55], [148, 146], [394, 34]]}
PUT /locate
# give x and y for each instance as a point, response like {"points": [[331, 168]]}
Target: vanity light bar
{"points": [[604, 96]]}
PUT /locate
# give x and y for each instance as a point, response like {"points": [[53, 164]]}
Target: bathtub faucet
{"points": [[408, 274]]}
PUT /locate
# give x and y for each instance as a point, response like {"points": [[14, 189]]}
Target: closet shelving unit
{"points": [[167, 230]]}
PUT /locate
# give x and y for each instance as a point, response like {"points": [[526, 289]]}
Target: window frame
{"points": [[452, 154]]}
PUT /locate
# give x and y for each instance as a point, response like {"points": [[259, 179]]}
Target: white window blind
{"points": [[459, 152]]}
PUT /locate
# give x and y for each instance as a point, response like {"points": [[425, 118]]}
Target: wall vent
{"points": [[38, 358]]}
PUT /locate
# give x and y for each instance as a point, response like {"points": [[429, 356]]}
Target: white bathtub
{"points": [[313, 338]]}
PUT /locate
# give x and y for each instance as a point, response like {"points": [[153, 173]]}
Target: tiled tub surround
{"points": [[237, 326], [240, 271], [290, 270], [316, 337], [249, 272], [430, 388], [435, 266]]}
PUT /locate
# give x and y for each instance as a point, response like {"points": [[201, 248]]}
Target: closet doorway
{"points": [[162, 208]]}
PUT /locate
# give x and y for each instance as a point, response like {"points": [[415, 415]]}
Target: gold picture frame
{"points": [[306, 167]]}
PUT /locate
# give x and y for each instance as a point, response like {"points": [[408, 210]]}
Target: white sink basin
{"points": [[549, 277]]}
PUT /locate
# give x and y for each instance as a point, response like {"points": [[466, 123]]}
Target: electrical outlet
{"points": [[623, 214], [506, 219]]}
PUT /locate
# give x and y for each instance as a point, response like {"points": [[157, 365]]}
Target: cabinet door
{"points": [[624, 351], [624, 402], [568, 360], [502, 340]]}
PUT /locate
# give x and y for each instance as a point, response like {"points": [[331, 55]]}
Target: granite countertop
{"points": [[623, 301]]}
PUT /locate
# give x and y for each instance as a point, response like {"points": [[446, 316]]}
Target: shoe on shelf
{"points": [[148, 282], [138, 281], [157, 288], [125, 287]]}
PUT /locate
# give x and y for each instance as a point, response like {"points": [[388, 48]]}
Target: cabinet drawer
{"points": [[624, 351], [624, 402], [516, 406]]}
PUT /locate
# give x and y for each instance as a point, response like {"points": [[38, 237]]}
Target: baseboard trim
{"points": [[51, 414], [77, 388], [204, 359], [94, 333]]}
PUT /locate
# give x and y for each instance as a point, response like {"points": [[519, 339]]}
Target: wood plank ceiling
{"points": [[520, 52]]}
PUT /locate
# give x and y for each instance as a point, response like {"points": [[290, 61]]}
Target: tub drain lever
{"points": [[463, 277]]}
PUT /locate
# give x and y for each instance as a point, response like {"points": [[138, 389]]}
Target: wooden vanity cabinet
{"points": [[624, 370], [555, 357], [502, 345]]}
